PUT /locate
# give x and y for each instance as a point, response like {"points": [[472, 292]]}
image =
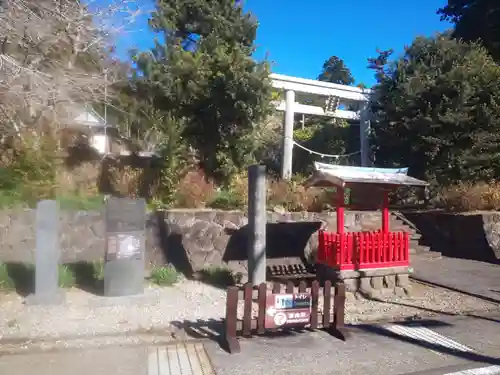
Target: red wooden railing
{"points": [[363, 250]]}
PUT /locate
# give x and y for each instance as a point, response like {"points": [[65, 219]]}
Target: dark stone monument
{"points": [[47, 255], [125, 244]]}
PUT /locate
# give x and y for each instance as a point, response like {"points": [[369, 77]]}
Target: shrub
{"points": [[164, 275], [291, 196], [194, 190], [470, 197], [227, 200]]}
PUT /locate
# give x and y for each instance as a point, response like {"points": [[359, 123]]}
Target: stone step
{"points": [[420, 248], [427, 255]]}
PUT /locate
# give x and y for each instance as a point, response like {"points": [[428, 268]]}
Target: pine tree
{"points": [[437, 111], [204, 72]]}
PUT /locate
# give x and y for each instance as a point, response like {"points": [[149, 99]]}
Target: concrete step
{"points": [[420, 248], [427, 255]]}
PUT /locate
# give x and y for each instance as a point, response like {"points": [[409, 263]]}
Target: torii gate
{"points": [[335, 95]]}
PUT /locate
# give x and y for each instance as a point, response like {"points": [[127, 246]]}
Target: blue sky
{"points": [[298, 36]]}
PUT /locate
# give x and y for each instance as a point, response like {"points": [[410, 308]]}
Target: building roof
{"points": [[327, 175]]}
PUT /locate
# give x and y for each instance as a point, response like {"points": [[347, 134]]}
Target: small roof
{"points": [[341, 175]]}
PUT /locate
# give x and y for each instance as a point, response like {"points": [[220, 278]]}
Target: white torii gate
{"points": [[340, 94]]}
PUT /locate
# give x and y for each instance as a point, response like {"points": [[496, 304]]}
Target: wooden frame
{"points": [[249, 293]]}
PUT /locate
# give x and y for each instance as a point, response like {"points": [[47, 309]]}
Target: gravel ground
{"points": [[85, 314]]}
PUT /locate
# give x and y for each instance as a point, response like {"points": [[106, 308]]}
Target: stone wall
{"points": [[461, 235], [191, 239]]}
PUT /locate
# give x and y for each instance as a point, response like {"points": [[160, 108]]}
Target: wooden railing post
{"points": [[233, 346], [339, 311]]}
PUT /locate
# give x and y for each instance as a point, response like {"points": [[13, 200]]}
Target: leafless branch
{"points": [[53, 56]]}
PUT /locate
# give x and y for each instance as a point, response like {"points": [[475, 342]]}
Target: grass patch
{"points": [[6, 282], [80, 203], [164, 275], [11, 199], [66, 276]]}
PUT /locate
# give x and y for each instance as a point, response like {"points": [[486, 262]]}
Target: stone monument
{"points": [[257, 220], [47, 254], [125, 221]]}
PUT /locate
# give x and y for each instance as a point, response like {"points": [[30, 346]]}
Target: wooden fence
{"points": [[330, 318]]}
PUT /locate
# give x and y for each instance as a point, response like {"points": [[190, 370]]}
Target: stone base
{"points": [[373, 283], [57, 298]]}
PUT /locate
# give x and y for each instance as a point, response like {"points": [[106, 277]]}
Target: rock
{"points": [[377, 282], [365, 285], [408, 290], [390, 281], [399, 292], [351, 285], [402, 280]]}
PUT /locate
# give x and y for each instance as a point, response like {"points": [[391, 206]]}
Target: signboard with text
{"points": [[288, 309]]}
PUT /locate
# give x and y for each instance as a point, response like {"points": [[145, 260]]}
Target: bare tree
{"points": [[55, 54]]}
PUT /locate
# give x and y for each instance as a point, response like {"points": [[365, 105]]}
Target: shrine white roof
{"points": [[341, 175]]}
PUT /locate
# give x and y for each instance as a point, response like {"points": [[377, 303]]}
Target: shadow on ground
{"points": [[469, 356], [82, 275], [213, 330]]}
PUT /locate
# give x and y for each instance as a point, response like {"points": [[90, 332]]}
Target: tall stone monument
{"points": [[125, 244], [257, 221], [47, 254]]}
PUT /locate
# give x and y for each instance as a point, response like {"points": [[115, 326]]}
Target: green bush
{"points": [[164, 275], [227, 200]]}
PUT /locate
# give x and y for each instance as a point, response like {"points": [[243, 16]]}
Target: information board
{"points": [[287, 309]]}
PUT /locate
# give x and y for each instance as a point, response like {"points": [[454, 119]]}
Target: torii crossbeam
{"points": [[345, 95]]}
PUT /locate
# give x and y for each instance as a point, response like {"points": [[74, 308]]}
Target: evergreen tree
{"points": [[335, 71], [437, 111], [475, 20], [204, 72]]}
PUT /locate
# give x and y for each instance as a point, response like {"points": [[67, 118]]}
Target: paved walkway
{"points": [[442, 346], [472, 277]]}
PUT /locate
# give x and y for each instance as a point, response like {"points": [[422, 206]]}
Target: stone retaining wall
{"points": [[460, 235], [192, 239], [372, 283]]}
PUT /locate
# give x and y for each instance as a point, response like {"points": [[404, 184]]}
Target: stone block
{"points": [[399, 292], [365, 284], [390, 281], [351, 285], [375, 294], [350, 297], [402, 280], [387, 292], [408, 290], [377, 282]]}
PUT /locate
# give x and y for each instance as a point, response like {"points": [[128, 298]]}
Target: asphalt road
{"points": [[372, 349], [444, 345]]}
